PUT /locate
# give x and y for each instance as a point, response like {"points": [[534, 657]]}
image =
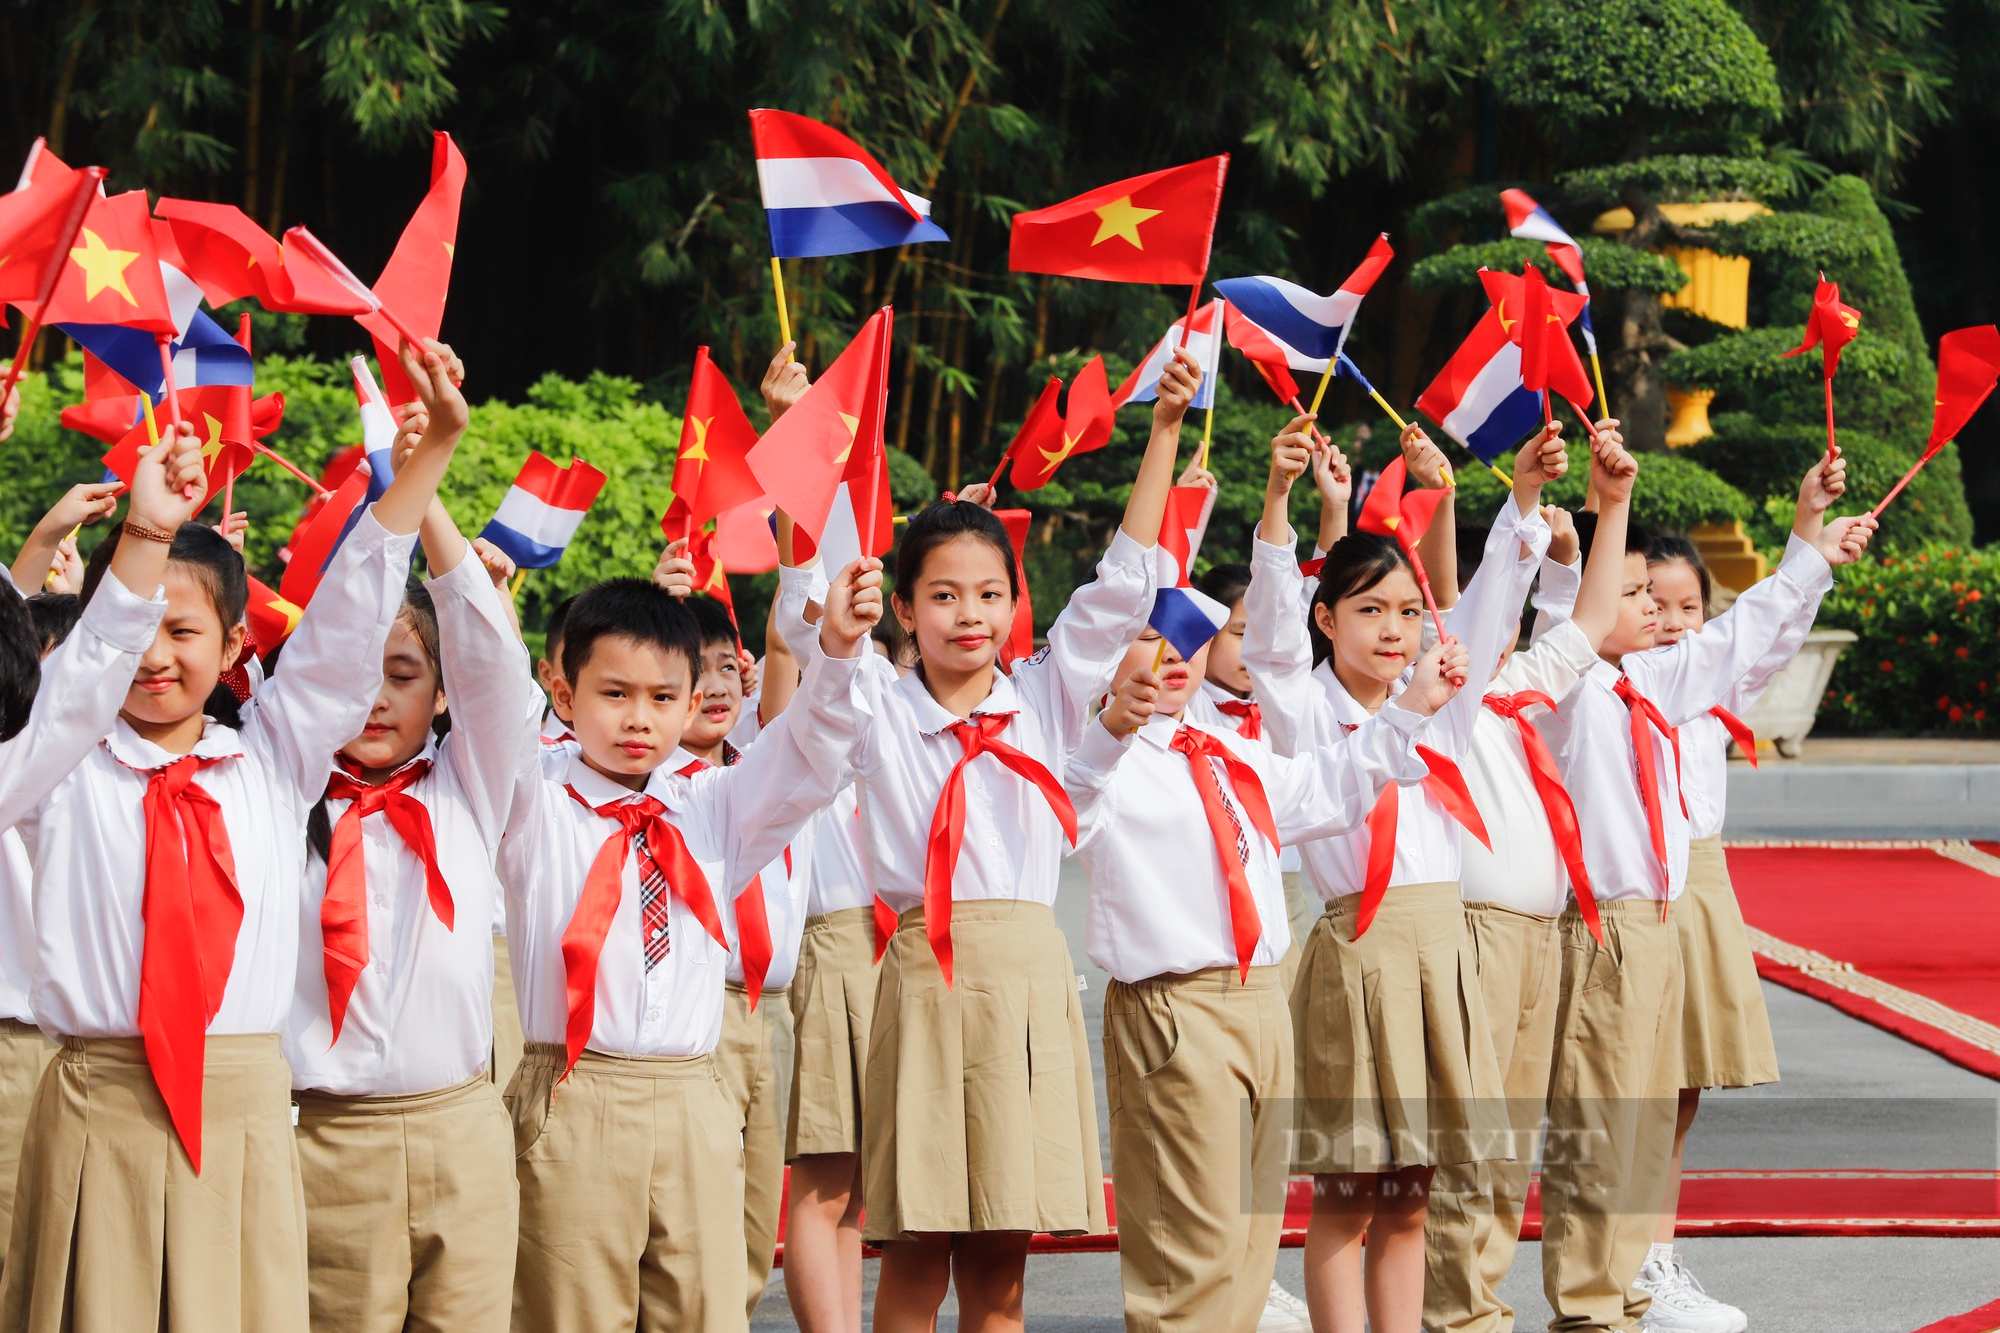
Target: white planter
{"points": [[1784, 713]]}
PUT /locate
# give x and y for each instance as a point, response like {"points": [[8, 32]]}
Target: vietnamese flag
{"points": [[1152, 228], [745, 540], [1048, 438], [1830, 326], [1021, 634], [1526, 307], [712, 472], [34, 220], [222, 420], [229, 257], [830, 442], [418, 275], [709, 576], [1968, 362], [112, 273]]}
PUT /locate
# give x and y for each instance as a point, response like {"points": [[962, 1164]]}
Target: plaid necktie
{"points": [[655, 895]]}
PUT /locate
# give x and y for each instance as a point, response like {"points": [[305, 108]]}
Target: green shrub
{"points": [[1929, 627], [1671, 492]]}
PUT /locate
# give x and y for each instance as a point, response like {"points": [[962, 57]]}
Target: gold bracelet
{"points": [[140, 530]]}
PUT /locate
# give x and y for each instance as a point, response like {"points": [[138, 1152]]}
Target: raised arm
{"points": [[1438, 547], [488, 685], [1148, 504], [1612, 472]]}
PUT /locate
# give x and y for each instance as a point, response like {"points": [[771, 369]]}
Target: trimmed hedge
{"points": [[1928, 659]]}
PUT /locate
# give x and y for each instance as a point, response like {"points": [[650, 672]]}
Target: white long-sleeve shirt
{"points": [[1159, 900], [84, 684], [1307, 707], [735, 820], [88, 838], [421, 1014], [1014, 844], [838, 877], [1524, 870], [1591, 733]]}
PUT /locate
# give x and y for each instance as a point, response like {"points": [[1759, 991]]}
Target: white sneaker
{"points": [[1284, 1313], [1680, 1305]]}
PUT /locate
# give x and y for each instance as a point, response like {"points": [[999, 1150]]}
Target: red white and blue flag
{"points": [[824, 195], [542, 509], [1313, 327], [1185, 616], [316, 540], [1203, 344], [1478, 397], [1529, 221]]}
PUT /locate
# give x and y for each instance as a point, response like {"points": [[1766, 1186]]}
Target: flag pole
{"points": [[79, 208], [1354, 372], [1896, 490], [172, 395], [514, 588], [261, 449], [1207, 434], [784, 316], [993, 482], [1829, 418], [1597, 372]]}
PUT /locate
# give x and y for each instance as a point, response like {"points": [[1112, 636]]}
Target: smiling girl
{"points": [[978, 1119], [1396, 1072], [162, 1187]]}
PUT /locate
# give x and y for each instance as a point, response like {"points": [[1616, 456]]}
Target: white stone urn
{"points": [[1784, 713]]}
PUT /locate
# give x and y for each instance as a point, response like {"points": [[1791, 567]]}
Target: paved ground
{"points": [[1853, 1096]]}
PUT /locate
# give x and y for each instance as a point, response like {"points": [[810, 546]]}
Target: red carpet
{"points": [[1902, 936], [1736, 1203], [1986, 1319]]}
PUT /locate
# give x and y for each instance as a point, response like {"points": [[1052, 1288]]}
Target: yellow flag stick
{"points": [[1597, 370], [1354, 373], [514, 589], [784, 316], [152, 425], [1207, 434]]}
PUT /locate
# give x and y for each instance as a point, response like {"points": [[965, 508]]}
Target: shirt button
{"points": [[993, 842], [652, 1015], [658, 931]]}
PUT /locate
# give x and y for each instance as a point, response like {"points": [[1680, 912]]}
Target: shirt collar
{"points": [[934, 719], [599, 790], [1210, 690], [1345, 710], [134, 751]]}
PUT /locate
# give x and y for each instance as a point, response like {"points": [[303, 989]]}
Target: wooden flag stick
{"points": [[784, 315]]}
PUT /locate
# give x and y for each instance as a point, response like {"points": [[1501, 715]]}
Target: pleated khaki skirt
{"points": [[1725, 1031], [833, 1002], [1395, 1059], [978, 1110], [114, 1231]]}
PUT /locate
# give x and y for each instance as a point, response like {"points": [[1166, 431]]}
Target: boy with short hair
{"points": [[755, 1053], [615, 876]]}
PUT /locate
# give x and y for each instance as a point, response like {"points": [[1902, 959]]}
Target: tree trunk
{"points": [[253, 113], [1639, 391], [274, 215], [66, 81], [913, 327]]}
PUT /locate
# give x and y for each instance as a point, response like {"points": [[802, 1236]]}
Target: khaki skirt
{"points": [[978, 1111], [113, 1230], [833, 1000], [1395, 1059], [1725, 1032]]}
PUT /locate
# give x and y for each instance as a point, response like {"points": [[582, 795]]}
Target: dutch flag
{"points": [[542, 510], [203, 351], [824, 195], [1185, 616], [1311, 326], [1529, 221], [1204, 344], [1478, 397]]}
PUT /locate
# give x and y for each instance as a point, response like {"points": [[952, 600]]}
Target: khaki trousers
{"points": [[1474, 1222], [24, 1053], [631, 1180], [1198, 1075], [411, 1210], [507, 1039], [113, 1230], [1302, 909], [1612, 1099], [755, 1061]]}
